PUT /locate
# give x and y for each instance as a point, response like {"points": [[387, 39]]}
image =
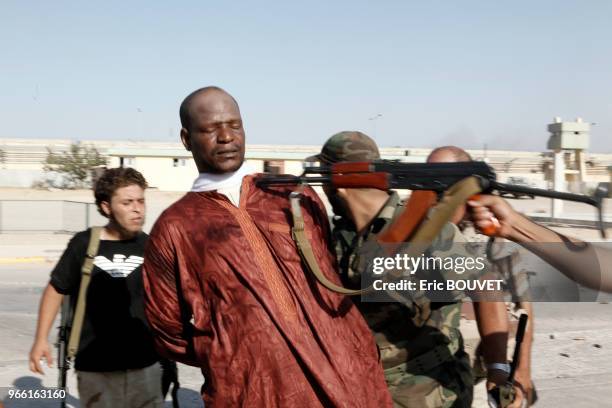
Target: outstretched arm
{"points": [[580, 261]]}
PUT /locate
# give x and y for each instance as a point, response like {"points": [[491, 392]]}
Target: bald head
{"points": [[199, 97], [212, 130], [448, 154]]}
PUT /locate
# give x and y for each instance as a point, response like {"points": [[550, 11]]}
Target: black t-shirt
{"points": [[115, 334]]}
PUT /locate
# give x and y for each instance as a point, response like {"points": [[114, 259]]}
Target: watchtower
{"points": [[572, 136]]}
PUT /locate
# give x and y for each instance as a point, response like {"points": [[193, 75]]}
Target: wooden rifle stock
{"points": [[351, 167], [415, 211], [378, 181]]}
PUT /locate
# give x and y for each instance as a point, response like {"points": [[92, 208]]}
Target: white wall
{"points": [[161, 174], [293, 167], [257, 165]]}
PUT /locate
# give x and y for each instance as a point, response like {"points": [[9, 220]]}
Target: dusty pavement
{"points": [[20, 289], [572, 354]]}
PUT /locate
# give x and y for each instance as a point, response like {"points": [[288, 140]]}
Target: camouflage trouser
{"points": [[449, 385]]}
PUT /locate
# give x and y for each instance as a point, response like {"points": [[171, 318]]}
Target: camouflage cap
{"points": [[351, 146]]}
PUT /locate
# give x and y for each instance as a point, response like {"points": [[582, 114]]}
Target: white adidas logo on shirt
{"points": [[119, 267]]}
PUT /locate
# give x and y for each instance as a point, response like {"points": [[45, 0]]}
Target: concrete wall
{"points": [[28, 178], [20, 177], [293, 167], [161, 173], [257, 165]]}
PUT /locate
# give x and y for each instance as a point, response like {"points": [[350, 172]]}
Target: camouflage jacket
{"points": [[505, 260], [402, 331]]}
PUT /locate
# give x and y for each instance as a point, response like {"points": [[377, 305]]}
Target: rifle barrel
{"points": [[580, 198], [292, 180], [437, 177]]}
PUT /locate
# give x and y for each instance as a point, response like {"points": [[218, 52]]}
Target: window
{"points": [[176, 162], [126, 161], [274, 166]]}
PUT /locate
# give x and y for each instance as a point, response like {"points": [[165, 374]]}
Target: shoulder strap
{"points": [[79, 314], [453, 198], [301, 240]]}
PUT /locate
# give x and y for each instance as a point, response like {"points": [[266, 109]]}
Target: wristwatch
{"points": [[505, 367]]}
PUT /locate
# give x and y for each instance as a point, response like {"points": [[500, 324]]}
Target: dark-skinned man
{"points": [[506, 264], [420, 345], [226, 290]]}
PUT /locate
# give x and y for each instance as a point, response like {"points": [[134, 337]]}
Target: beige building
{"points": [[175, 170], [169, 167]]}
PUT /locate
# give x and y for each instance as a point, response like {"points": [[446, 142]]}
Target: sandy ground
{"points": [[572, 362], [20, 290]]}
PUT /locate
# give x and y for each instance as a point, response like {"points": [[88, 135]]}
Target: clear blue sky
{"points": [[439, 72]]}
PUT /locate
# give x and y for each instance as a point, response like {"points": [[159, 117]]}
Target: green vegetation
{"points": [[74, 165]]}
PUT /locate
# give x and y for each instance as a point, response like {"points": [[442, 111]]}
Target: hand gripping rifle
{"points": [[423, 216], [505, 395], [436, 177]]}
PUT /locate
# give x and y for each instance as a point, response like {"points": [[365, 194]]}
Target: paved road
{"points": [[20, 289], [572, 360]]}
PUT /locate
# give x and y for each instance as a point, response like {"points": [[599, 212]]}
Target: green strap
{"points": [[79, 314], [301, 240], [453, 198]]}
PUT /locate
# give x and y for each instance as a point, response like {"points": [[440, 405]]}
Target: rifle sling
{"points": [[79, 314], [453, 198], [301, 240]]}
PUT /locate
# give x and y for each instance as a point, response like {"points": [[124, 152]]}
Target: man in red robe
{"points": [[226, 289]]}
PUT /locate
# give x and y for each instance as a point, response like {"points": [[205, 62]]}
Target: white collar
{"points": [[214, 181]]}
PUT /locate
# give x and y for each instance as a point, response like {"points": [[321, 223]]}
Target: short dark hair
{"points": [[115, 178], [185, 109]]}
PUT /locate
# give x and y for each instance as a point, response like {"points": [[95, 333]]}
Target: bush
{"points": [[74, 165]]}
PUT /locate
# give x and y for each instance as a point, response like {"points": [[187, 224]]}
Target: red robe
{"points": [[225, 290]]}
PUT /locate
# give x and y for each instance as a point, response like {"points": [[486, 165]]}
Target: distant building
{"points": [[169, 167]]}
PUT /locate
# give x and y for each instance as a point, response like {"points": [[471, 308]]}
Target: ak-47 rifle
{"points": [[63, 362], [505, 395], [437, 177]]}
